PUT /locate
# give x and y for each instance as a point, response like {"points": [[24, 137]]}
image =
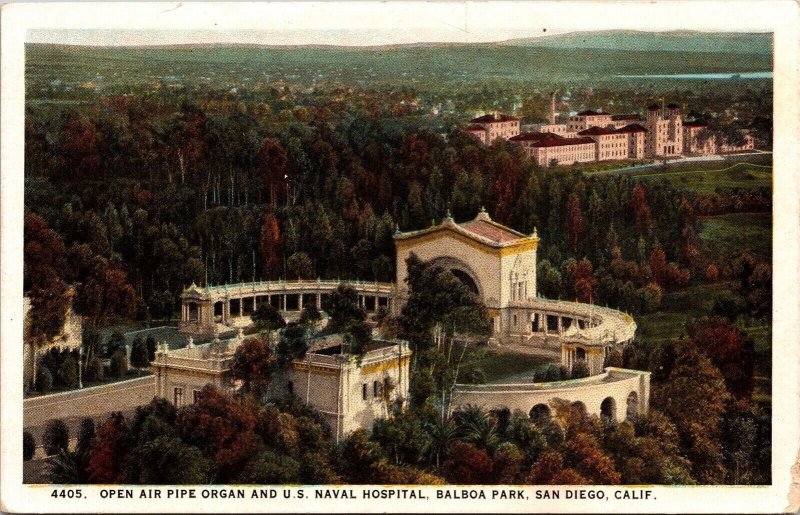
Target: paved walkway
{"points": [[660, 164]]}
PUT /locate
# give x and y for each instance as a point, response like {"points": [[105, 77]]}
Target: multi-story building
{"points": [[610, 144], [621, 120], [489, 127], [696, 141], [548, 149], [664, 131], [662, 134], [350, 393], [561, 129], [587, 119], [693, 142]]}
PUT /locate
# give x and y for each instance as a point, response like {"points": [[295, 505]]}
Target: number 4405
{"points": [[67, 494]]}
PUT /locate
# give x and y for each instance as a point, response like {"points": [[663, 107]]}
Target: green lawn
{"points": [[498, 365], [728, 236], [707, 177], [679, 307]]}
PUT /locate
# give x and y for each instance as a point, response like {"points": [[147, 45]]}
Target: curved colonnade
{"points": [[581, 331], [213, 309]]}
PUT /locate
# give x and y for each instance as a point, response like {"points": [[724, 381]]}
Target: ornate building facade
{"points": [[592, 136], [496, 263], [350, 393]]}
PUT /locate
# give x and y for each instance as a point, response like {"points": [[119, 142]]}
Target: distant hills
{"points": [[674, 41], [677, 41], [575, 57]]}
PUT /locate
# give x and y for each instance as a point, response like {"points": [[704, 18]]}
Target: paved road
{"points": [[660, 164], [97, 403]]}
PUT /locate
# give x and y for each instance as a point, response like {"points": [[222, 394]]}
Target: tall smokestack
{"points": [[552, 118]]}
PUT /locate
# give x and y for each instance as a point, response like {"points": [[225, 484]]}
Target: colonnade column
{"points": [[300, 301], [560, 325], [318, 300]]}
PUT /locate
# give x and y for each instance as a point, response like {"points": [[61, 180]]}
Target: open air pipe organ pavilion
{"points": [[498, 264]]}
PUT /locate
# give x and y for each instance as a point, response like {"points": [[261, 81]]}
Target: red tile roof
{"points": [[491, 118], [673, 105], [696, 123], [491, 231], [589, 112], [597, 131], [548, 139], [474, 127], [625, 117], [653, 107], [634, 127]]}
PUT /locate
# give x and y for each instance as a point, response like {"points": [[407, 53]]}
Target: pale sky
{"points": [[345, 37], [361, 23]]}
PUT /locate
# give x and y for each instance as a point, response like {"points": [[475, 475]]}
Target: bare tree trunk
{"points": [[182, 166]]}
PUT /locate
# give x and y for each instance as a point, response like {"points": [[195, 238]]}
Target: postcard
{"points": [[400, 257]]}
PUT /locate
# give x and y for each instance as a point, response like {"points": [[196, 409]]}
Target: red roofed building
{"points": [[489, 127], [610, 143], [587, 119], [547, 149], [621, 120]]}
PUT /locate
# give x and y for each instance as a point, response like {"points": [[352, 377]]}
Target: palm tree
{"points": [[443, 433], [479, 427], [66, 469]]}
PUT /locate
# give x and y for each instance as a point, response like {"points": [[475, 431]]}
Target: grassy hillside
{"points": [[237, 65], [744, 43]]}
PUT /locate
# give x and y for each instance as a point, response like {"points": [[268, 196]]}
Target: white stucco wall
{"points": [[484, 266]]}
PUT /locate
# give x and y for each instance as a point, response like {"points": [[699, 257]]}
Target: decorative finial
{"points": [[396, 228], [483, 215], [190, 343], [240, 335], [535, 233]]}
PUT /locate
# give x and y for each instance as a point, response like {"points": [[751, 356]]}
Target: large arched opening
{"points": [[608, 410], [632, 410], [462, 272]]}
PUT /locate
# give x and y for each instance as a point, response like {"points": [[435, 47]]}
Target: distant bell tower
{"points": [[551, 119]]}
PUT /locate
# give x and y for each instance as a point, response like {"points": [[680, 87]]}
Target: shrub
{"points": [[552, 373], [28, 446], [580, 369], [86, 434], [115, 342], [94, 370], [150, 343], [119, 364], [56, 437], [139, 354], [68, 372], [44, 380]]}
